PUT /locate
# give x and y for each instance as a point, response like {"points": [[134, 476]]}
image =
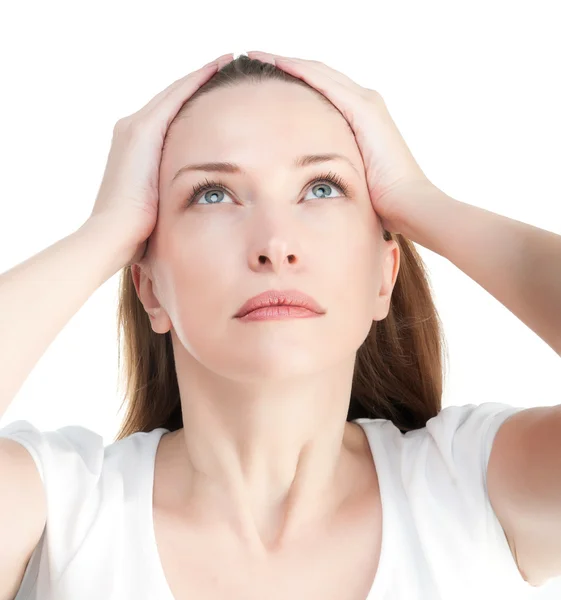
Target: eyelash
{"points": [[207, 184]]}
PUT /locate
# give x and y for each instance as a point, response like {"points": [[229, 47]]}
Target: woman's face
{"points": [[203, 259]]}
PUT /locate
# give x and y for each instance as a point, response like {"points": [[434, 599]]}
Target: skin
{"points": [[265, 452]]}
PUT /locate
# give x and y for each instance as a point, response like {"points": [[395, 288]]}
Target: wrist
{"points": [[117, 250], [424, 214]]}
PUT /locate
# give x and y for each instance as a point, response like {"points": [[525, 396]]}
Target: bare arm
{"points": [[40, 295], [517, 263]]}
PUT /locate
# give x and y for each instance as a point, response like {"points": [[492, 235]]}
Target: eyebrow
{"points": [[228, 167]]}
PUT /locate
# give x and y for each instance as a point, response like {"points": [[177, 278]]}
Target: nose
{"points": [[276, 255], [277, 233]]}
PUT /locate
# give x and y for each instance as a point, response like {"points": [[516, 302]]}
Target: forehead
{"points": [[257, 124]]}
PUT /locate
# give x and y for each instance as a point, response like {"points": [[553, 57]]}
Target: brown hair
{"points": [[398, 371]]}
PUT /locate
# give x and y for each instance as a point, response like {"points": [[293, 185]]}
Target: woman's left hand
{"points": [[392, 174]]}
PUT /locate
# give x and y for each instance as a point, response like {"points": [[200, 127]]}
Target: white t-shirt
{"points": [[441, 539]]}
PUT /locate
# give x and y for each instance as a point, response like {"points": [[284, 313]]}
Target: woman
{"points": [[298, 450]]}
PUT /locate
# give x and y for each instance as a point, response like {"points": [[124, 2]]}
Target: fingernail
{"points": [[267, 59], [262, 56], [218, 60]]}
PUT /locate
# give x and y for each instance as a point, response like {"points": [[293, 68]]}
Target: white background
{"points": [[473, 87]]}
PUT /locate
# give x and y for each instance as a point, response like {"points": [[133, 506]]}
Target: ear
{"points": [[391, 257], [143, 284]]}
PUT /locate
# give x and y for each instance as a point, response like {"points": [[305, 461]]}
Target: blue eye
{"points": [[214, 197]]}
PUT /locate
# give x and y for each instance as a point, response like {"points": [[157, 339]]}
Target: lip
{"points": [[280, 298]]}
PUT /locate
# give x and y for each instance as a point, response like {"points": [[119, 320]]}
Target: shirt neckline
{"points": [[146, 525], [387, 499]]}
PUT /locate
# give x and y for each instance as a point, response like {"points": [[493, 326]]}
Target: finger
{"points": [[184, 87], [168, 107], [341, 95], [221, 60], [165, 105], [200, 75], [262, 56], [289, 65], [286, 60]]}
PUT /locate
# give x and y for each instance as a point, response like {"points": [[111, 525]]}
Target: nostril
{"points": [[291, 258]]}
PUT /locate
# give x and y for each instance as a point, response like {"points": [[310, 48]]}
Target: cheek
{"points": [[353, 252], [203, 282], [205, 278], [352, 276], [203, 299]]}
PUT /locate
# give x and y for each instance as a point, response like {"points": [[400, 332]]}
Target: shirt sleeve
{"points": [[460, 443], [69, 461]]}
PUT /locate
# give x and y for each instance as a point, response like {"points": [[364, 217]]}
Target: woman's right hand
{"points": [[128, 196]]}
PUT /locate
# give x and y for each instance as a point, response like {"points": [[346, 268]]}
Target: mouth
{"points": [[288, 300]]}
